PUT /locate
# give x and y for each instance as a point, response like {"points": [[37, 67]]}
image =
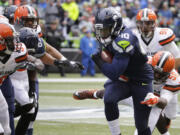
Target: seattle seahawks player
{"points": [[129, 60]]}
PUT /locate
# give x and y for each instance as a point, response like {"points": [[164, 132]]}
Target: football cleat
{"points": [[85, 94]]}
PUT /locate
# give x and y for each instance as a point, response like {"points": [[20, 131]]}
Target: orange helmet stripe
{"points": [[146, 15], [163, 60]]}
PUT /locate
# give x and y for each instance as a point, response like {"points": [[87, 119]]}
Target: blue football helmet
{"points": [[108, 24], [9, 13], [29, 37]]}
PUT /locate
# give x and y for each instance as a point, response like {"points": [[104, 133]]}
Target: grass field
{"points": [[60, 114]]}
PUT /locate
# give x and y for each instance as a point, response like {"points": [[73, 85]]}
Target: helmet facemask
{"points": [[146, 22], [103, 34], [146, 28], [30, 22], [159, 75], [9, 43]]}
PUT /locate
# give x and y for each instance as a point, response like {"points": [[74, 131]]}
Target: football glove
{"points": [[150, 100], [34, 63], [67, 63]]}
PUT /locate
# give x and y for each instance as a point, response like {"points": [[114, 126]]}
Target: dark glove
{"points": [[67, 63], [76, 65], [32, 88], [31, 66], [97, 59], [61, 63]]}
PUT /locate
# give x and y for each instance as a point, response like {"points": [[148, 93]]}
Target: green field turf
{"points": [[58, 97]]}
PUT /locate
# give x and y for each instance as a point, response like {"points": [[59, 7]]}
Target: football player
{"points": [[26, 16], [152, 39], [13, 56], [166, 86], [7, 90], [128, 59]]}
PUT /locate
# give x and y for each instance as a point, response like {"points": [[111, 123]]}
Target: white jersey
{"points": [[172, 84], [163, 40], [16, 61]]}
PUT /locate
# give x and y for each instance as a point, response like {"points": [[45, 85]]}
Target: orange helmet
{"points": [[146, 22], [7, 38], [4, 19], [163, 63], [26, 16]]}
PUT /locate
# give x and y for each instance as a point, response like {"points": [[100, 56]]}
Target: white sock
{"points": [[94, 95], [114, 127], [167, 133]]}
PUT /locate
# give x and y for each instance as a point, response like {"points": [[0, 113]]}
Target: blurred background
{"points": [[65, 22]]}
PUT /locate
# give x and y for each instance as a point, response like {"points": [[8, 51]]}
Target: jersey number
{"points": [[125, 35]]}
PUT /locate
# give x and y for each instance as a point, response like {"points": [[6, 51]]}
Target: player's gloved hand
{"points": [[150, 100], [31, 66], [76, 65], [34, 63], [67, 63]]}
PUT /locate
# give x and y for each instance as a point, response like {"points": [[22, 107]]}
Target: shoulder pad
{"points": [[173, 82], [21, 52], [165, 35]]}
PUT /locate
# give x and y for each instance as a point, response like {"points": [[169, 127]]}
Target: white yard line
{"points": [[77, 80], [57, 91], [86, 115]]}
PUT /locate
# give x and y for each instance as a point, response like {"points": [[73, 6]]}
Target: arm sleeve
{"points": [[116, 68], [172, 47]]}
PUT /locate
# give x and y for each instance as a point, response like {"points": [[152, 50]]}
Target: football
{"points": [[106, 56]]}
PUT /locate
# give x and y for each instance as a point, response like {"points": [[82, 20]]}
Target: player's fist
{"points": [[150, 100], [67, 63], [76, 65]]}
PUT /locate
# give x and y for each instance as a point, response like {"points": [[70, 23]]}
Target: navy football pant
{"points": [[8, 92], [116, 91]]}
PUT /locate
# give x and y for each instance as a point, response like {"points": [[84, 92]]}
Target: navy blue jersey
{"points": [[128, 59], [40, 50]]}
